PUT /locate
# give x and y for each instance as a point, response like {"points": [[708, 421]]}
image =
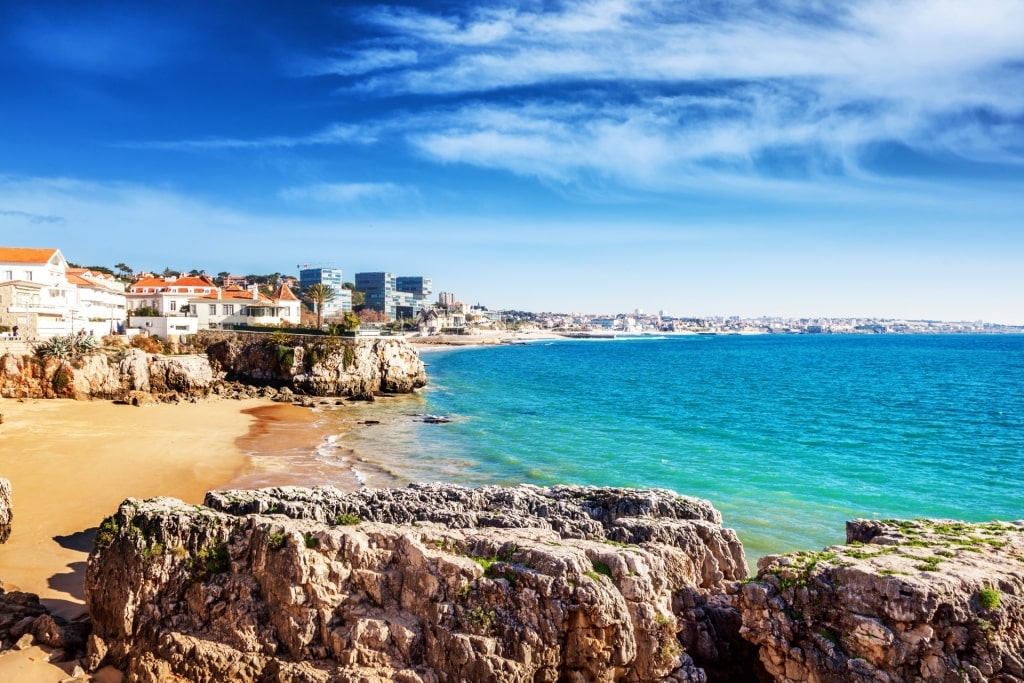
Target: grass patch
{"points": [[276, 540], [989, 598], [347, 519]]}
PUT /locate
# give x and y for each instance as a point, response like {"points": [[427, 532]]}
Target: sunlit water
{"points": [[788, 436]]}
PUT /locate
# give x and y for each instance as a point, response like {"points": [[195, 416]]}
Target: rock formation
{"points": [[6, 511], [330, 366], [428, 583], [921, 600], [355, 367]]}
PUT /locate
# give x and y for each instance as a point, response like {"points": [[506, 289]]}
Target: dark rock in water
{"points": [[370, 422], [436, 419], [427, 583]]}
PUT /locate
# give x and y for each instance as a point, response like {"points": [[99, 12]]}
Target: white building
{"points": [[99, 304], [35, 295], [231, 306]]}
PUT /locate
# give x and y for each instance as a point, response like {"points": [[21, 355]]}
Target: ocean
{"points": [[788, 436]]}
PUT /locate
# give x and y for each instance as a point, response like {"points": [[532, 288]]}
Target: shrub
{"points": [[67, 347], [148, 343], [347, 519], [276, 540], [989, 598]]}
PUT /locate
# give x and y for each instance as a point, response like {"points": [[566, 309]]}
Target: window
{"points": [[229, 309], [28, 275], [9, 274], [174, 305], [213, 309]]}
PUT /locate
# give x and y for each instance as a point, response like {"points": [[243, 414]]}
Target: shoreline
{"points": [[72, 463]]}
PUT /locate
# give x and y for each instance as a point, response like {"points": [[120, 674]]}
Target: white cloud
{"points": [[332, 135], [754, 79], [343, 193]]}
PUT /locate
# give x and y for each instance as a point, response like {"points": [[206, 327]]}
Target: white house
{"points": [[35, 295], [168, 295], [99, 304], [236, 306]]}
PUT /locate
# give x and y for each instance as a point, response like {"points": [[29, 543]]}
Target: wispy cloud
{"points": [[344, 193], [33, 218], [332, 135], [637, 88]]}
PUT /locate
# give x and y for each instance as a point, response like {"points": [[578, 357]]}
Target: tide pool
{"points": [[789, 436]]}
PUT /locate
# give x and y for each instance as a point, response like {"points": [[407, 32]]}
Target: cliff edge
{"points": [[425, 584], [923, 600]]}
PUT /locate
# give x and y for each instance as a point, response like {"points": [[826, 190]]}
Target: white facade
{"points": [[35, 295]]}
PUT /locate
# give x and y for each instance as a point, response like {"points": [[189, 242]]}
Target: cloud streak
{"points": [[633, 89]]}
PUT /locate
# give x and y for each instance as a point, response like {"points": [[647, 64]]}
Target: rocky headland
{"points": [[226, 364], [922, 600], [427, 583], [437, 583]]}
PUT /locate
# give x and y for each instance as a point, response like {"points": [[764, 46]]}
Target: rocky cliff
{"points": [[318, 368], [328, 366], [921, 600], [428, 583]]}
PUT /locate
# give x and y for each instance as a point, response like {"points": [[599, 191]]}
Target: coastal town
{"points": [[43, 295]]}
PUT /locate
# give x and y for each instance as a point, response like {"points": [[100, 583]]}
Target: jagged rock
{"points": [[327, 368], [429, 583], [321, 367], [923, 600], [6, 510]]}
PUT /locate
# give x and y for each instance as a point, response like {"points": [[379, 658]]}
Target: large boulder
{"points": [[923, 600], [429, 583]]}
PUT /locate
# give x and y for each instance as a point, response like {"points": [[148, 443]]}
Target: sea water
{"points": [[788, 436]]}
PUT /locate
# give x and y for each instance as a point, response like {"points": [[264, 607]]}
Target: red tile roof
{"points": [[161, 283], [25, 255], [283, 293]]}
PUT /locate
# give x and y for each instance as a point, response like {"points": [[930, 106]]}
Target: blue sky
{"points": [[753, 158]]}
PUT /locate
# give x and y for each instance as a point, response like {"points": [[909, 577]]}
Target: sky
{"points": [[781, 158]]}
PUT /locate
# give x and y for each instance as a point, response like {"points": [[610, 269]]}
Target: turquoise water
{"points": [[789, 436]]}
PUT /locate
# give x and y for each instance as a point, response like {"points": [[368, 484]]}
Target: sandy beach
{"points": [[71, 463]]}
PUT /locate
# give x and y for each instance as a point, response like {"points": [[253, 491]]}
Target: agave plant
{"points": [[67, 347]]}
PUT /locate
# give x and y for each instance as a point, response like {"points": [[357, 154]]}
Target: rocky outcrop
{"points": [[6, 511], [921, 600], [429, 583], [326, 367], [24, 621], [104, 376], [321, 366]]}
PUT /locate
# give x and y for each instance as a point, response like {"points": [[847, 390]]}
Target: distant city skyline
{"points": [[862, 159]]}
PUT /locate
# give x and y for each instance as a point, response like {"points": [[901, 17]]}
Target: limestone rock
{"points": [[6, 510], [429, 583], [322, 366], [923, 600]]}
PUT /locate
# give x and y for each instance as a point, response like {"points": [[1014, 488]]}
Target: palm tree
{"points": [[318, 294]]}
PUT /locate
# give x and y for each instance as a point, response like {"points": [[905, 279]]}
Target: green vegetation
{"points": [[347, 519], [929, 564], [109, 528], [276, 540], [482, 618], [989, 598], [310, 540], [317, 295], [212, 560], [602, 568], [67, 347]]}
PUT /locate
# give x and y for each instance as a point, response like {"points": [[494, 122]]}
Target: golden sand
{"points": [[71, 464]]}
